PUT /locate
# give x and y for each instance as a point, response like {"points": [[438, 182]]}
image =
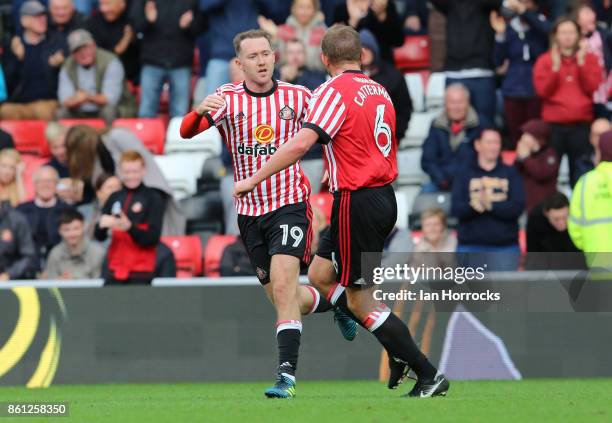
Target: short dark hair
{"points": [[101, 180], [484, 128], [69, 216], [251, 33], [340, 44], [555, 202]]}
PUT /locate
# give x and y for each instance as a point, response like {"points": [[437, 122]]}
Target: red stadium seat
{"points": [[416, 237], [151, 131], [32, 163], [213, 253], [29, 136], [324, 200], [508, 157], [523, 241], [187, 252], [414, 54], [94, 123]]}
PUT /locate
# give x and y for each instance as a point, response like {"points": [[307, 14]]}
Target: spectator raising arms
{"points": [[378, 16], [12, 188], [31, 67], [306, 23], [537, 162], [519, 43], [134, 216], [113, 31], [565, 78], [63, 19]]}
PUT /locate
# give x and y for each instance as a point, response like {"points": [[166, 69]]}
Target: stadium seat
{"points": [[212, 172], [32, 163], [409, 166], [434, 94], [181, 171], [208, 141], [324, 200], [414, 81], [214, 252], [187, 252], [508, 157], [425, 201], [414, 54], [151, 131], [418, 129], [402, 210], [94, 123], [523, 241], [29, 136], [204, 212]]}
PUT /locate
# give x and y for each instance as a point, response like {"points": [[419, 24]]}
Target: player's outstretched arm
{"points": [[199, 120], [285, 156]]}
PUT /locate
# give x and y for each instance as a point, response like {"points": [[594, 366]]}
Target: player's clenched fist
{"points": [[210, 104], [243, 187]]}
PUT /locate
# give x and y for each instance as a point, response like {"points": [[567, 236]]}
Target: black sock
{"points": [[288, 337], [394, 335], [320, 304]]}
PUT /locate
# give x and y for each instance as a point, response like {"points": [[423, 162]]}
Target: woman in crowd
{"points": [[565, 79], [306, 23], [12, 188], [91, 153]]}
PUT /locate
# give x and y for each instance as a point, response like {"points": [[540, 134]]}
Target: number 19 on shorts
{"points": [[296, 233]]}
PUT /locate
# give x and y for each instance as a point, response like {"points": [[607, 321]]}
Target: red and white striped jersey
{"points": [[355, 119], [254, 126]]}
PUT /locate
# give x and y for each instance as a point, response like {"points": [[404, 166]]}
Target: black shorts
{"points": [[287, 230], [361, 222]]}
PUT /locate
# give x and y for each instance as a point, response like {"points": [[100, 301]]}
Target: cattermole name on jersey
{"points": [[368, 90]]}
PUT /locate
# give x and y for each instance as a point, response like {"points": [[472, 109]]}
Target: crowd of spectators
{"points": [[527, 76]]}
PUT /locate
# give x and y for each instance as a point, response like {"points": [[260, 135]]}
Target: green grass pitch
{"points": [[541, 401]]}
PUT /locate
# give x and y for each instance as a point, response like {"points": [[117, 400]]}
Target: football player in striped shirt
{"points": [[255, 118], [354, 118]]}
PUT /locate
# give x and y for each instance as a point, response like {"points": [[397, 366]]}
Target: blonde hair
{"points": [[434, 212], [12, 192], [54, 130]]}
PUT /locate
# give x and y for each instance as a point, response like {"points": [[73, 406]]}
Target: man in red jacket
{"points": [[565, 78]]}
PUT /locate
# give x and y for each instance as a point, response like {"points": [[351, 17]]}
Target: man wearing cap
{"points": [[590, 222], [31, 66], [92, 82]]}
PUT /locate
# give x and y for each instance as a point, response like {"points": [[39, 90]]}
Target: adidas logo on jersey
{"points": [[256, 150]]}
